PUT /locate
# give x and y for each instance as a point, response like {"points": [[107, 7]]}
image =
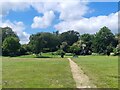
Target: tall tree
{"points": [[70, 37], [43, 42], [52, 41], [36, 43], [87, 39], [6, 32], [11, 46], [10, 41], [103, 39]]}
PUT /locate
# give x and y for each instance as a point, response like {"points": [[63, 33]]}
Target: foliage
{"points": [[103, 42], [36, 43], [11, 46], [43, 42], [87, 39], [76, 48], [70, 37], [52, 41], [117, 50], [103, 39], [58, 52], [6, 32], [24, 49], [64, 46]]}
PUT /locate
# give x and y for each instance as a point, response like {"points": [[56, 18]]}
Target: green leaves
{"points": [[10, 42], [11, 45], [103, 39]]}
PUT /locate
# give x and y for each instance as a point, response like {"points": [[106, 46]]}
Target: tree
{"points": [[117, 50], [87, 40], [76, 48], [11, 46], [103, 39], [24, 49], [6, 32], [52, 41], [43, 42], [64, 46], [36, 43], [70, 37]]}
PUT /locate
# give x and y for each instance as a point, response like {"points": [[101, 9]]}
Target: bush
{"points": [[58, 52], [116, 51]]}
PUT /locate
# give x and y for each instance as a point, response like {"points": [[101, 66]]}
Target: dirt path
{"points": [[82, 80]]}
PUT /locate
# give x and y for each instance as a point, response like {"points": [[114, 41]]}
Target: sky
{"points": [[26, 18]]}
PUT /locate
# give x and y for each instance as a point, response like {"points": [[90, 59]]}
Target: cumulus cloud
{"points": [[18, 28], [42, 7], [44, 21], [6, 6], [90, 25], [68, 10], [72, 10]]}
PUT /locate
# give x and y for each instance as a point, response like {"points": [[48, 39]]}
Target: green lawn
{"points": [[36, 73], [30, 72], [102, 70], [45, 55]]}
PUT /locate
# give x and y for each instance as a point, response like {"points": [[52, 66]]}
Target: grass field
{"points": [[54, 72], [44, 55], [37, 73], [102, 70]]}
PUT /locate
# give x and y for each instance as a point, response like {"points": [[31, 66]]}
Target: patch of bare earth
{"points": [[82, 80]]}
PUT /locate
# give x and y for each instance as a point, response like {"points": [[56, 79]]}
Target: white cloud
{"points": [[90, 25], [6, 6], [67, 9], [18, 28], [72, 10], [44, 21]]}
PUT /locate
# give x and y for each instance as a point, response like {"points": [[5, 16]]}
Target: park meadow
{"points": [[60, 60]]}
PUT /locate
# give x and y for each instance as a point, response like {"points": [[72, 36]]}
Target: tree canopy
{"points": [[70, 37], [103, 42], [42, 42], [7, 32], [104, 39], [11, 45]]}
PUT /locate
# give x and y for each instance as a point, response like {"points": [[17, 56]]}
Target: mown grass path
{"points": [[82, 80]]}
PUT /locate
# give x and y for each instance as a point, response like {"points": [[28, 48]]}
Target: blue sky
{"points": [[102, 8], [35, 18]]}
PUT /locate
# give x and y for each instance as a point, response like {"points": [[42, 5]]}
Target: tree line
{"points": [[103, 42]]}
